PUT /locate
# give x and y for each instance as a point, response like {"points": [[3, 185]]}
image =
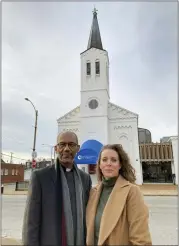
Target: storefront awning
{"points": [[89, 152]]}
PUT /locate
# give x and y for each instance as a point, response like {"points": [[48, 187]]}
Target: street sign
{"points": [[34, 154]]}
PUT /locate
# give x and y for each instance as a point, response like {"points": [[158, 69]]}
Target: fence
{"points": [[22, 186]]}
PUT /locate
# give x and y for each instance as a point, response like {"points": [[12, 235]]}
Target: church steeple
{"points": [[95, 37]]}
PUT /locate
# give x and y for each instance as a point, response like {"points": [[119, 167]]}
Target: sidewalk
{"points": [[10, 241], [147, 190], [12, 192], [159, 190]]}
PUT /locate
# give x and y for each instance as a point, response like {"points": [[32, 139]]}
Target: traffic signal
{"points": [[34, 163]]}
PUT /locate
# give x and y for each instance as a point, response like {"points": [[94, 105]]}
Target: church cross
{"points": [[95, 11]]}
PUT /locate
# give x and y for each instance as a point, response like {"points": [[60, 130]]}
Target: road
{"points": [[163, 218]]}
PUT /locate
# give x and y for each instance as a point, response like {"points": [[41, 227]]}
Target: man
{"points": [[174, 178], [57, 199]]}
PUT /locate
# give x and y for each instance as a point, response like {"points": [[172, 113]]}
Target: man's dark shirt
{"points": [[71, 185]]}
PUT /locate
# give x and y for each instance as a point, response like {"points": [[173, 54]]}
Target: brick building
{"points": [[11, 173]]}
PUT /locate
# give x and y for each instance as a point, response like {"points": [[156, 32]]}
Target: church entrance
{"points": [[157, 172]]}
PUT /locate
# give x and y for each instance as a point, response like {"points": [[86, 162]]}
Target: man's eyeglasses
{"points": [[70, 145]]}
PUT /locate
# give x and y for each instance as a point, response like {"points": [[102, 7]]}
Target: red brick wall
{"points": [[11, 173]]}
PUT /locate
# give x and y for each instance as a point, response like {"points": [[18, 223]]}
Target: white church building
{"points": [[97, 117]]}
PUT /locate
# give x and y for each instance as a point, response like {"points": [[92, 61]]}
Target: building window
{"points": [[88, 68], [13, 172], [2, 172], [6, 172], [17, 172], [97, 66]]}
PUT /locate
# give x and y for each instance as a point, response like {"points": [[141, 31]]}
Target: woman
{"points": [[116, 213]]}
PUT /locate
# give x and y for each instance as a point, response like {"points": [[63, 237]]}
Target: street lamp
{"points": [[34, 155], [51, 151]]}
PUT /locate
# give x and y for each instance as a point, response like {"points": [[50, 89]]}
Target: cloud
{"points": [[41, 61], [145, 79]]}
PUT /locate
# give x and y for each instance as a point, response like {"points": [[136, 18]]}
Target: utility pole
{"points": [[11, 158], [35, 130], [51, 151], [34, 153]]}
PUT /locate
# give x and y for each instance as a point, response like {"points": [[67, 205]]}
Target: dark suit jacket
{"points": [[40, 218]]}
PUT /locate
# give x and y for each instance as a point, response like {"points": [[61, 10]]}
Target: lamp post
{"points": [[51, 151], [34, 155]]}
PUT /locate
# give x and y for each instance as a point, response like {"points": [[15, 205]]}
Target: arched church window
{"points": [[88, 68], [97, 67]]}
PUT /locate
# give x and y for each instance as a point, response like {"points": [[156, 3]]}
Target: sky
{"points": [[41, 46]]}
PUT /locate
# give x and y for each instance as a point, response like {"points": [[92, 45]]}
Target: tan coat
{"points": [[125, 217]]}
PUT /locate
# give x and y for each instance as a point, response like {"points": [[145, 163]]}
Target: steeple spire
{"points": [[95, 37]]}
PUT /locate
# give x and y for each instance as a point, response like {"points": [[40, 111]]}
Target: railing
{"points": [[156, 152]]}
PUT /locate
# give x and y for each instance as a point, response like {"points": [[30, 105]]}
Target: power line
{"points": [[15, 140], [14, 157], [11, 157]]}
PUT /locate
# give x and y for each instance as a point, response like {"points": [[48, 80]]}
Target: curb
{"points": [[144, 194], [10, 241], [15, 194], [160, 195]]}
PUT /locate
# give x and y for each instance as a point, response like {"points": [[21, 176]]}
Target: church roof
{"points": [[117, 112], [69, 115], [95, 37]]}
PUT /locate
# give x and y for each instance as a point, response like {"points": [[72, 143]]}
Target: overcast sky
{"points": [[41, 46]]}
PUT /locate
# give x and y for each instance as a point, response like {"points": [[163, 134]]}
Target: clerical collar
{"points": [[67, 169]]}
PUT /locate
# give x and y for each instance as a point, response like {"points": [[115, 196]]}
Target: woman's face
{"points": [[109, 163]]}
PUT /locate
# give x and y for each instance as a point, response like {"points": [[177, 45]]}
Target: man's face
{"points": [[67, 148]]}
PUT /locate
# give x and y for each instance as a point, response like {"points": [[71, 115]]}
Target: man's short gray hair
{"points": [[68, 132]]}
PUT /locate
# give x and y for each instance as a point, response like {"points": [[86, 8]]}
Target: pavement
{"points": [[163, 222]]}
